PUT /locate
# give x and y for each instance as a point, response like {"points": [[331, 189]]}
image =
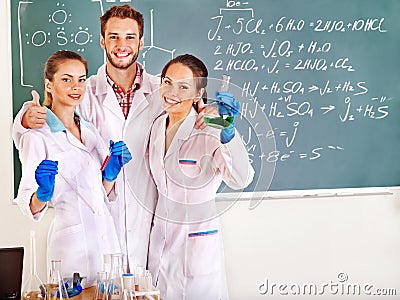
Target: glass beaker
{"points": [[56, 289], [214, 116], [34, 288], [100, 285], [114, 287], [128, 281]]}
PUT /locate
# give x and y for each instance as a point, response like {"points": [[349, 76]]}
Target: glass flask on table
{"points": [[34, 288], [55, 288], [114, 285]]}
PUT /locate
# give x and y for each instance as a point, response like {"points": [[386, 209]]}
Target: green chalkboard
{"points": [[320, 77]]}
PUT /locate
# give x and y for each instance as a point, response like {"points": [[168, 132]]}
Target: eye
{"points": [[66, 79], [131, 37], [184, 87], [82, 80], [167, 81], [113, 37]]}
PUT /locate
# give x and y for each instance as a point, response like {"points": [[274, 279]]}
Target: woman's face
{"points": [[178, 89], [69, 83]]}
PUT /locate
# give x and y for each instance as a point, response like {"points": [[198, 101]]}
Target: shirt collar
{"points": [[56, 125], [137, 82]]}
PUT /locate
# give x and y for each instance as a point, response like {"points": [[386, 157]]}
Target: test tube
{"points": [[139, 274]]}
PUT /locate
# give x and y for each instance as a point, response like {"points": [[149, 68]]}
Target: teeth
{"points": [[171, 101], [121, 54]]}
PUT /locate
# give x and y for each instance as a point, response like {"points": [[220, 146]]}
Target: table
{"points": [[87, 294]]}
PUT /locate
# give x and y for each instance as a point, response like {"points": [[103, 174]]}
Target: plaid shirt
{"points": [[125, 98]]}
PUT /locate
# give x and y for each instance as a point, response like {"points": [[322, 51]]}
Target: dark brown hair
{"points": [[51, 68], [123, 12]]}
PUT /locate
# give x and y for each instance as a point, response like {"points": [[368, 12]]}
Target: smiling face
{"points": [[178, 90], [68, 84], [121, 42]]}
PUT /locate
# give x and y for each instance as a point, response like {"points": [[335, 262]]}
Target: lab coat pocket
{"points": [[69, 245], [189, 167], [203, 252]]}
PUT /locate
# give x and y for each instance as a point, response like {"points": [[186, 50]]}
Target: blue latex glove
{"points": [[119, 156], [227, 105], [45, 177]]}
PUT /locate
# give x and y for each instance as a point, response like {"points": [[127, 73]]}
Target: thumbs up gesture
{"points": [[35, 116]]}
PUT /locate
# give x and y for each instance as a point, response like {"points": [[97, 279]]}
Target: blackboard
{"points": [[321, 77]]}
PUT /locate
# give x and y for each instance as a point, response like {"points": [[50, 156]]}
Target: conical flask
{"points": [[56, 289], [33, 288], [219, 117], [101, 285], [115, 285]]}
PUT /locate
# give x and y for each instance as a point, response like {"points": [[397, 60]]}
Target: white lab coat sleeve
{"points": [[18, 130], [233, 161], [32, 151]]}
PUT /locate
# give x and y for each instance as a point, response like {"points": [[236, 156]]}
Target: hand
{"points": [[120, 156], [201, 110], [227, 105], [35, 116], [45, 177]]}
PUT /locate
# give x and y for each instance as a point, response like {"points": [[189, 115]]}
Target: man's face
{"points": [[121, 42]]}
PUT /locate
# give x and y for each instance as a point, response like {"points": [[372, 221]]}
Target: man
{"points": [[116, 103]]}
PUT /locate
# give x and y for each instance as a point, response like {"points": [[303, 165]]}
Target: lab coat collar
{"points": [[145, 86], [184, 132], [187, 125], [110, 101], [56, 125]]}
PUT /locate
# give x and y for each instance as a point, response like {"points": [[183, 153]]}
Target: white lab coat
{"points": [[186, 252], [82, 230], [137, 194]]}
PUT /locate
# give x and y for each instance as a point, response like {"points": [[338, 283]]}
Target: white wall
{"points": [[293, 241], [306, 241], [14, 226]]}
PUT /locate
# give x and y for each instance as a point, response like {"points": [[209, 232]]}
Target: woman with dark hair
{"points": [[188, 165], [61, 165]]}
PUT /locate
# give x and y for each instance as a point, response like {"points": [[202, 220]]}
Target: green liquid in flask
{"points": [[218, 121]]}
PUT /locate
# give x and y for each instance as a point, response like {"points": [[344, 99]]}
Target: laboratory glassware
{"points": [[56, 289], [34, 288], [214, 117], [114, 286], [128, 292], [100, 285]]}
